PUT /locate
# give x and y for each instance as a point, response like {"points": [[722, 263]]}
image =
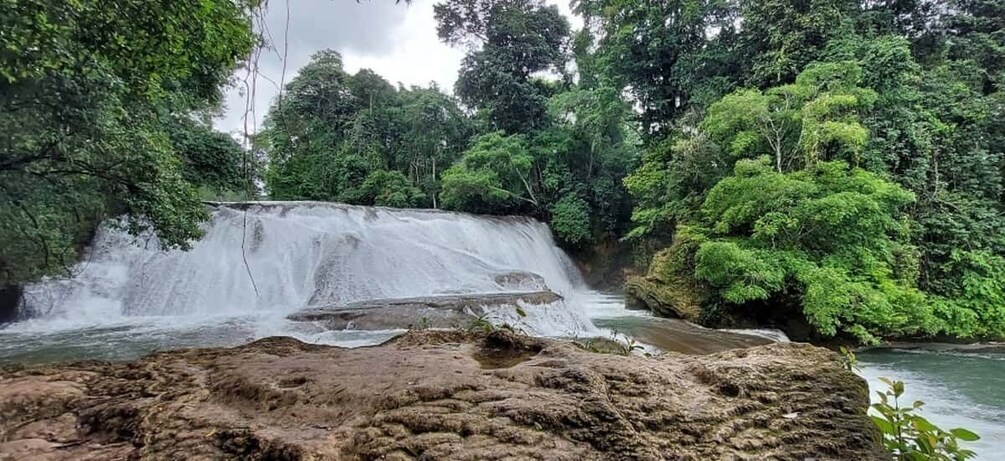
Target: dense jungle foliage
{"points": [[846, 164], [518, 137], [104, 110], [838, 160]]}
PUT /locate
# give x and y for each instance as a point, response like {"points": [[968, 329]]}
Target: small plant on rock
{"points": [[848, 359], [422, 325], [626, 347], [911, 437], [481, 324]]}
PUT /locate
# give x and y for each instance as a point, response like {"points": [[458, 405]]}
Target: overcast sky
{"points": [[397, 41]]}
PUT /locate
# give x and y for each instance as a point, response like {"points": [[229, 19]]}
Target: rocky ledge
{"points": [[440, 395], [447, 311]]}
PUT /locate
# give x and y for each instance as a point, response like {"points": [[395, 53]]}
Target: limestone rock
{"points": [[448, 311], [435, 395], [521, 281]]}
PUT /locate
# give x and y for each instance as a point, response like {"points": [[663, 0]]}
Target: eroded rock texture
{"points": [[440, 395]]}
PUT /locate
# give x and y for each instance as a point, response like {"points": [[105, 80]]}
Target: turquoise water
{"points": [[959, 389]]}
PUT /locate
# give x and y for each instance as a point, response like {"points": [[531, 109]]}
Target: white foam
{"points": [[777, 336], [304, 254]]}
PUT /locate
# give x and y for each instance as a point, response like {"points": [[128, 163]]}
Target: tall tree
{"points": [[669, 56], [781, 37], [510, 41], [433, 134]]}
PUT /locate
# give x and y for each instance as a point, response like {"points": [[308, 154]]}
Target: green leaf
{"points": [[964, 434], [923, 425], [898, 388], [883, 425]]}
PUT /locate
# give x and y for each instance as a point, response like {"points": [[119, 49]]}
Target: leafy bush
{"points": [[908, 436], [390, 188], [827, 238]]}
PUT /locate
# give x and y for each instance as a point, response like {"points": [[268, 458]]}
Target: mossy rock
{"points": [[603, 346], [678, 299]]}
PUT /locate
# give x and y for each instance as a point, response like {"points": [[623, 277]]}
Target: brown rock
{"points": [[443, 395]]}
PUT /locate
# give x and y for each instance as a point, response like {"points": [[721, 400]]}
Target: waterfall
{"points": [[310, 254]]}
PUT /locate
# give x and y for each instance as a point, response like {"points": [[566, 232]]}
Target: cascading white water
{"points": [[309, 254]]}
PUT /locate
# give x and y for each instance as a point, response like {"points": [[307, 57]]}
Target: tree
{"points": [[494, 176], [434, 132], [517, 39], [781, 37], [829, 236], [930, 133], [86, 89], [794, 225], [211, 160], [357, 139], [795, 230], [816, 118], [676, 56], [669, 56], [588, 150], [796, 125], [389, 188], [671, 182], [975, 34]]}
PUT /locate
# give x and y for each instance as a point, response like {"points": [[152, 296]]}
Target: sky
{"points": [[397, 41]]}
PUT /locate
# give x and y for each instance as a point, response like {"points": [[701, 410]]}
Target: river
{"points": [[260, 262]]}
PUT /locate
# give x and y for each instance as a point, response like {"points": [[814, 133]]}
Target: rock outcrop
{"points": [[525, 281], [440, 395], [666, 290], [663, 299], [448, 311]]}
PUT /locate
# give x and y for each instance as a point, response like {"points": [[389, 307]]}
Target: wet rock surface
{"points": [[450, 311], [440, 395], [521, 281], [10, 297]]}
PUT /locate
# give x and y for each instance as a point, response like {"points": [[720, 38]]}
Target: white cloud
{"points": [[418, 56]]}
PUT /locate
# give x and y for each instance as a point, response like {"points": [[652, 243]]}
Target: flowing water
{"points": [[260, 262]]}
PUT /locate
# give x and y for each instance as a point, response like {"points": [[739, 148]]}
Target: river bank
{"points": [[960, 384]]}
